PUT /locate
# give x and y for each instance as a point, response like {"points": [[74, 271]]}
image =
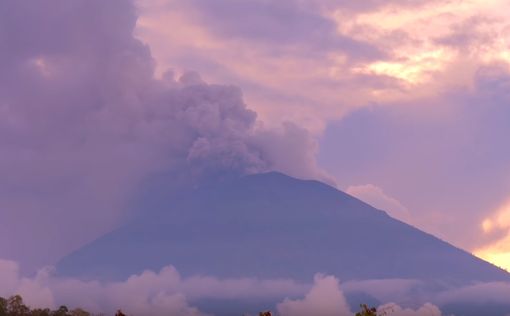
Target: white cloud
{"points": [[325, 299], [147, 293], [32, 289], [384, 290], [425, 310], [491, 292], [166, 292], [376, 197]]}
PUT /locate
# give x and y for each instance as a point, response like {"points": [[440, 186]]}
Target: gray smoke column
{"points": [[83, 120]]}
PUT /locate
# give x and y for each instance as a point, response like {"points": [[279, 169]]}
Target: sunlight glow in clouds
{"points": [[417, 35], [414, 68], [497, 252], [426, 48]]}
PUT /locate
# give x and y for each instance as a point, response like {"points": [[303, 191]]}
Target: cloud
{"points": [[147, 293], [271, 60], [492, 292], [166, 292], [404, 147], [84, 121], [325, 298], [400, 291], [425, 310], [290, 24], [32, 289], [496, 227], [291, 140], [364, 52], [376, 197]]}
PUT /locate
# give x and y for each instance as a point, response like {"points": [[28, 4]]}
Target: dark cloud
{"points": [[471, 34], [368, 5], [83, 120]]}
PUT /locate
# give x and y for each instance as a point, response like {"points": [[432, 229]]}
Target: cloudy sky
{"points": [[408, 100], [403, 103]]}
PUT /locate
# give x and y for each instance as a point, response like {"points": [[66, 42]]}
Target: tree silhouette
{"points": [[367, 311], [14, 306]]}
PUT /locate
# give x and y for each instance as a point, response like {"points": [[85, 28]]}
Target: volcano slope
{"points": [[272, 226]]}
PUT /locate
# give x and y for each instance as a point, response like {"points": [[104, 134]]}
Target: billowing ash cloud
{"points": [[83, 120]]}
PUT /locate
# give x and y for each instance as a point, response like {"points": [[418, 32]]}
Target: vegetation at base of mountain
{"points": [[367, 311], [14, 306]]}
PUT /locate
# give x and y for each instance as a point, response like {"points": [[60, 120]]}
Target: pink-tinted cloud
{"points": [[166, 292], [494, 292], [84, 122], [325, 298], [376, 197], [445, 161], [147, 293], [426, 310], [84, 119], [286, 53]]}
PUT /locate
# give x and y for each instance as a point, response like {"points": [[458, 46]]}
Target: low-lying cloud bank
{"points": [[147, 293], [166, 292], [326, 298]]}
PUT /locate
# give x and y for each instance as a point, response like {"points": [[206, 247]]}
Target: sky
{"points": [[407, 100], [402, 103]]}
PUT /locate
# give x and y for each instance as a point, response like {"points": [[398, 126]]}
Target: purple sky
{"points": [[404, 104]]}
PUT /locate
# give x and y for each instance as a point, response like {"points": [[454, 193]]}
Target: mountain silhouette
{"points": [[272, 226]]}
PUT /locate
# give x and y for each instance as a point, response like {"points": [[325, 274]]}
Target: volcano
{"points": [[272, 226]]}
